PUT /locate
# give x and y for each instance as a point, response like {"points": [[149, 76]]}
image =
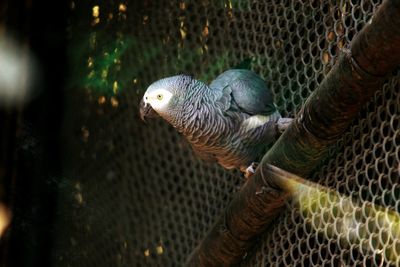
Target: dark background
{"points": [[30, 135]]}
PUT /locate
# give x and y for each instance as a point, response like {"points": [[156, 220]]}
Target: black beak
{"points": [[146, 111]]}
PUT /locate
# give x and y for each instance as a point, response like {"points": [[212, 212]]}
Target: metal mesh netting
{"points": [[135, 195]]}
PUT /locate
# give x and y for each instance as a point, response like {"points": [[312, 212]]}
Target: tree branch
{"points": [[327, 113]]}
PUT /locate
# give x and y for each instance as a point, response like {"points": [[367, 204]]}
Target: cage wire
{"points": [[135, 195]]}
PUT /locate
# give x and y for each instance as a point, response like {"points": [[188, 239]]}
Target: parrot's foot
{"points": [[283, 124], [250, 170]]}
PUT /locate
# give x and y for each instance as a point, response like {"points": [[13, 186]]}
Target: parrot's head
{"points": [[167, 98]]}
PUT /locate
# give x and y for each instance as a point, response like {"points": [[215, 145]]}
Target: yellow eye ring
{"points": [[159, 97]]}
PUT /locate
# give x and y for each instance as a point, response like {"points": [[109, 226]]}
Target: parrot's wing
{"points": [[246, 89]]}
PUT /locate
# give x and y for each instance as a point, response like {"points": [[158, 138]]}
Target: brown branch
{"points": [[358, 74]]}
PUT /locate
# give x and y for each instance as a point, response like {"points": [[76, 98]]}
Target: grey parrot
{"points": [[232, 121]]}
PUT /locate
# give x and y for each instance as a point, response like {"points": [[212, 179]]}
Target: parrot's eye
{"points": [[159, 97]]}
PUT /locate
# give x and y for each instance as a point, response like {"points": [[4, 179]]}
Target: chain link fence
{"points": [[135, 195]]}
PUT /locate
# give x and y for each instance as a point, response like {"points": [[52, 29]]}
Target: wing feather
{"points": [[244, 89]]}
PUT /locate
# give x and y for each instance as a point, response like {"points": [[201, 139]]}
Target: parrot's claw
{"points": [[250, 170], [283, 124]]}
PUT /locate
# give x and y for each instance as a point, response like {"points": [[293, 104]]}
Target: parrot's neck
{"points": [[204, 121], [195, 116]]}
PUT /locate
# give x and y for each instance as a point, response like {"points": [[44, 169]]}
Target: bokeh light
{"points": [[16, 72], [5, 218]]}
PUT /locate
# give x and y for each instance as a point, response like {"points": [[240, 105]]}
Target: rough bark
{"points": [[358, 74]]}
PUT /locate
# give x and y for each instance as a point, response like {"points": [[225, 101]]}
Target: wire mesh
{"points": [[135, 195]]}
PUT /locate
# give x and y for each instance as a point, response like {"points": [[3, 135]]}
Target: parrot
{"points": [[232, 121]]}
